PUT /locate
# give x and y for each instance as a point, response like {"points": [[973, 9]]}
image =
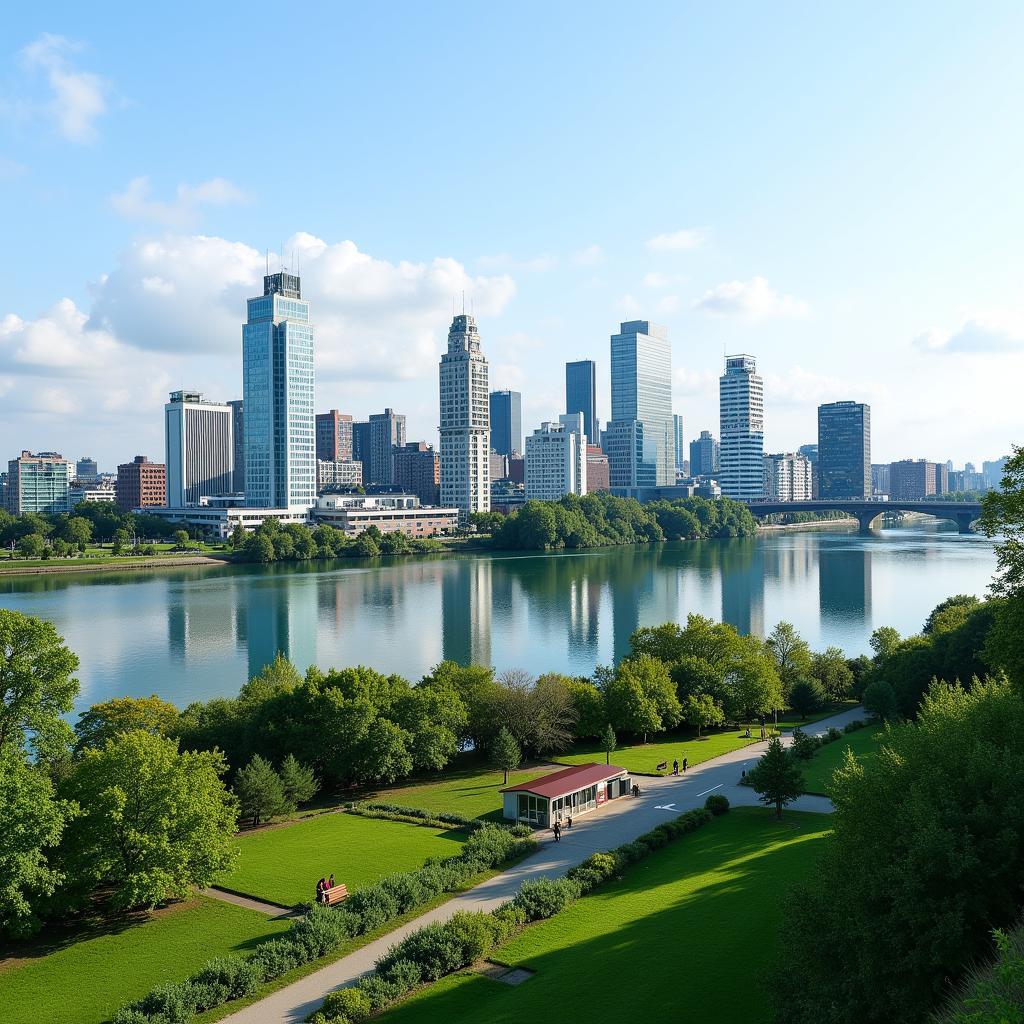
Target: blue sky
{"points": [[833, 188]]}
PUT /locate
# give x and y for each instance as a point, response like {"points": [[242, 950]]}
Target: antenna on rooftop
{"points": [[268, 263], [463, 301]]}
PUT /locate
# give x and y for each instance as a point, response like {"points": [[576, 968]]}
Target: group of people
{"points": [[675, 766], [557, 827], [322, 888]]}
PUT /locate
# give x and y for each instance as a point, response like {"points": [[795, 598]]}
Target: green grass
{"points": [[818, 771], [283, 864], [791, 720], [86, 981], [684, 936]]}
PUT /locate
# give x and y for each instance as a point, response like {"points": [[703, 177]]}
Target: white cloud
{"points": [[628, 305], [800, 387], [589, 256], [511, 264], [668, 304], [694, 382], [136, 202], [995, 330], [78, 98], [678, 241], [753, 300], [656, 279]]}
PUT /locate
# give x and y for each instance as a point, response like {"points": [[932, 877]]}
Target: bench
{"points": [[336, 895], [663, 766]]}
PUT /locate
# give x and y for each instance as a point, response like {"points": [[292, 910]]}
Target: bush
{"points": [[803, 746], [852, 726], [348, 1005], [545, 897], [717, 804], [833, 734]]}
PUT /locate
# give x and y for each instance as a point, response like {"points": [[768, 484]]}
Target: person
{"points": [[675, 767], [685, 763], [636, 789], [330, 881], [321, 888], [746, 735], [569, 822], [557, 829]]}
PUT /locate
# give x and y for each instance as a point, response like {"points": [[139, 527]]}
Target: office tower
{"points": [[811, 451], [140, 484], [787, 477], [844, 450], [641, 439], [418, 471], [499, 467], [465, 421], [598, 475], [334, 436], [361, 441], [916, 479], [880, 478], [680, 444], [992, 473], [338, 473], [581, 395], [277, 369], [86, 470], [237, 445], [199, 448], [506, 409], [741, 413], [704, 455], [387, 432], [556, 459], [38, 483]]}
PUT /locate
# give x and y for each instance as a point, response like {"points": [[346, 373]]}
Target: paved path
{"points": [[620, 822], [270, 909]]}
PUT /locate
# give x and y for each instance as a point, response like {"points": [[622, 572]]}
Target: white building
{"points": [[390, 513], [465, 421], [787, 477], [741, 412], [339, 473], [556, 459], [219, 516], [79, 492], [199, 448]]}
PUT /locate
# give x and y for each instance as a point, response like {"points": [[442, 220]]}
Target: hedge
{"points": [[323, 929], [414, 815], [804, 746]]}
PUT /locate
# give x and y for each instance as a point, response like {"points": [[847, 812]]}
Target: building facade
{"points": [[361, 441], [140, 484], [390, 513], [741, 413], [96, 492], [86, 470], [598, 475], [680, 444], [844, 450], [556, 459], [277, 371], [506, 422], [199, 449], [581, 395], [641, 444], [916, 479], [879, 478], [787, 477], [237, 445], [387, 432], [418, 471], [465, 421], [38, 483], [333, 437], [338, 473], [704, 455]]}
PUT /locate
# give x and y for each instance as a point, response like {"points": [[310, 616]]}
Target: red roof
{"points": [[568, 780]]}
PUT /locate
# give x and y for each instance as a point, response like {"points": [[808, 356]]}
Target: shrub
{"points": [[403, 973], [223, 979], [545, 897], [717, 804], [630, 853], [350, 1005], [853, 726], [653, 840], [833, 734], [803, 746], [275, 957]]}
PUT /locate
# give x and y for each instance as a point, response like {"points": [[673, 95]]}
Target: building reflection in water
{"points": [[281, 617], [466, 610], [844, 584]]}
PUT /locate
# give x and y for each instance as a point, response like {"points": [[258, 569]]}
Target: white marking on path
{"points": [[713, 788], [664, 807]]}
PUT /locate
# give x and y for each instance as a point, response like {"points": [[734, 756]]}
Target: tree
{"points": [[829, 667], [298, 782], [754, 686], [181, 540], [792, 655], [588, 705], [259, 791], [156, 822], [259, 547], [806, 696], [776, 778], [884, 642], [608, 743], [31, 545], [505, 753], [37, 684], [949, 614], [367, 545], [279, 676], [641, 698], [104, 721], [702, 710], [880, 699], [76, 530], [237, 539]]}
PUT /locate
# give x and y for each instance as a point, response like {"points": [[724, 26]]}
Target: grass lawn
{"points": [[283, 864], [684, 936], [86, 981], [818, 771]]}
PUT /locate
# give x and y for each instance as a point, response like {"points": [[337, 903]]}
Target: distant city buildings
{"points": [[499, 467], [581, 395], [679, 443], [38, 483], [879, 478], [598, 474], [992, 473], [418, 471], [334, 437], [916, 479], [507, 496], [556, 459], [198, 448], [506, 409], [338, 473], [140, 484], [86, 470], [465, 421], [704, 455], [361, 441], [844, 450], [741, 414], [787, 477]]}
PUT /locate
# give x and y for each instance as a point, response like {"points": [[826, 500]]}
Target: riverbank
{"points": [[815, 525], [114, 564]]}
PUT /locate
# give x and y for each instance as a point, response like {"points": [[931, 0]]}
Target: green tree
{"points": [[754, 686], [792, 655], [76, 530], [776, 778], [237, 539], [104, 721], [884, 642], [259, 548], [182, 540], [806, 696], [298, 782], [949, 614], [588, 705], [31, 545], [156, 822], [702, 710], [259, 791], [829, 667], [367, 545], [505, 753], [608, 743], [641, 697], [880, 699], [279, 676]]}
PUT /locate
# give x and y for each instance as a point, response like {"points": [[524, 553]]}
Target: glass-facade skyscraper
{"points": [[506, 422], [641, 434], [277, 400], [844, 450], [741, 415], [581, 395]]}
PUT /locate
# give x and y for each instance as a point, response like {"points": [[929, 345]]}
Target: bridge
{"points": [[963, 513]]}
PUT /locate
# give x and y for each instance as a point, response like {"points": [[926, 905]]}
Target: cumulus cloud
{"points": [[511, 264], [678, 241], [800, 387], [998, 330], [589, 256], [136, 201], [694, 382], [77, 98], [755, 299], [656, 279]]}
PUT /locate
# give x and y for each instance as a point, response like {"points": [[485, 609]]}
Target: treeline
{"points": [[274, 542]]}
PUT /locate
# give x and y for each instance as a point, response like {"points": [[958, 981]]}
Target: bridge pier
{"points": [[865, 519], [964, 520]]}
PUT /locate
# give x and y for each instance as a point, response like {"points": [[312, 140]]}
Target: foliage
{"points": [[992, 993], [259, 791], [717, 804], [540, 714], [776, 778], [104, 721], [806, 696], [949, 614], [641, 698], [608, 742], [545, 897], [831, 670], [505, 753], [880, 699], [589, 709], [792, 655], [701, 710], [297, 781], [803, 746], [274, 542]]}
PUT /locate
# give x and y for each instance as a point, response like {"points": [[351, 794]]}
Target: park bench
{"points": [[663, 766], [336, 895]]}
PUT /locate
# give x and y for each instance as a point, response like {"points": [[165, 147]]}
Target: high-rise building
{"points": [[556, 459], [465, 421], [641, 438], [811, 451], [86, 470], [418, 471], [581, 395], [38, 483], [598, 475], [704, 455], [992, 473], [361, 441], [787, 477], [844, 450], [277, 369], [199, 448], [334, 436], [680, 444], [499, 467], [915, 479], [506, 408], [741, 413], [879, 478], [237, 445], [140, 484], [387, 432]]}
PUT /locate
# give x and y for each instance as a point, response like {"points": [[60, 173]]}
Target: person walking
{"points": [[568, 823], [685, 763], [675, 767], [557, 829]]}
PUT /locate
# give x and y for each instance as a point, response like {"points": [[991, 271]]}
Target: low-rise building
{"points": [[787, 477], [507, 497], [38, 483], [100, 491], [338, 473], [565, 794], [403, 513], [218, 516], [140, 484], [556, 459], [916, 479]]}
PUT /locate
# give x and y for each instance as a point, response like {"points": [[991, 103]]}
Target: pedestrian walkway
{"points": [[272, 910], [617, 823]]}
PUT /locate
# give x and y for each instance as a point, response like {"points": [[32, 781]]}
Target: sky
{"points": [[833, 188]]}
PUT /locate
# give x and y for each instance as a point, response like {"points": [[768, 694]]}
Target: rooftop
{"points": [[568, 779]]}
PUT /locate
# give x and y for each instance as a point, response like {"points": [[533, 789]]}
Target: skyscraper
{"points": [[465, 421], [277, 371], [581, 395], [86, 470], [387, 432], [506, 422], [361, 441], [844, 450], [333, 436], [556, 459], [641, 438], [198, 448], [741, 414], [38, 483], [680, 443], [417, 471], [238, 445], [704, 455]]}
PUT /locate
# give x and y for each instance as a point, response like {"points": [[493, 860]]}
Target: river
{"points": [[193, 633]]}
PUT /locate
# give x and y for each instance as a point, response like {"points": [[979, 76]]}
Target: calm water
{"points": [[189, 634]]}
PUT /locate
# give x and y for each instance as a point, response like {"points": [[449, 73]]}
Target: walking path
{"points": [[272, 910], [617, 823]]}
